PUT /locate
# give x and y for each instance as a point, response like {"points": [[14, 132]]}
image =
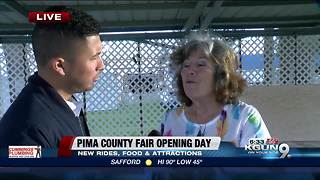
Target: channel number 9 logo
{"points": [[284, 150]]}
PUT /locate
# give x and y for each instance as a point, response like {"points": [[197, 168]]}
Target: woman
{"points": [[208, 89]]}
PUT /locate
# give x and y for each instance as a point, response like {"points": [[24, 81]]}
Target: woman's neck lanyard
{"points": [[220, 125]]}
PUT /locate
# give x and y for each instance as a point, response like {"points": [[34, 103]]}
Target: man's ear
{"points": [[58, 65]]}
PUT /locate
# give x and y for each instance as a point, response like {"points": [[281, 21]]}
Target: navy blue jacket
{"points": [[39, 116]]}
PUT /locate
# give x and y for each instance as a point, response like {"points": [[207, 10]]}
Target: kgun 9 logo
{"points": [[267, 146]]}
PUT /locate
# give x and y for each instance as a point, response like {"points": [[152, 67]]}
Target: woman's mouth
{"points": [[190, 82]]}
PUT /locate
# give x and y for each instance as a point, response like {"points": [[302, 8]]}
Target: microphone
{"points": [[154, 133]]}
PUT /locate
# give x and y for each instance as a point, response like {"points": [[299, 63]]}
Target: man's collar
{"points": [[75, 106]]}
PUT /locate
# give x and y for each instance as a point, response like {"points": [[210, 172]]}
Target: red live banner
{"points": [[49, 17]]}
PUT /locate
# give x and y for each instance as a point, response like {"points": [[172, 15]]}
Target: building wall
{"points": [[292, 113]]}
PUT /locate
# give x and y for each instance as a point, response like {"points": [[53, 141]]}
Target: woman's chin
{"points": [[193, 95]]}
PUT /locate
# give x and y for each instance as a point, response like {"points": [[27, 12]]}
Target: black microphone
{"points": [[154, 133]]}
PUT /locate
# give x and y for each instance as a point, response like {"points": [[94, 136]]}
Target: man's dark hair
{"points": [[58, 40]]}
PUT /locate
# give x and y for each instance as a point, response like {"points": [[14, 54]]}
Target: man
{"points": [[68, 61]]}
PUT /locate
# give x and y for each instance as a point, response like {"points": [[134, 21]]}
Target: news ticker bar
{"points": [[159, 151], [225, 150], [227, 155], [160, 162], [82, 146]]}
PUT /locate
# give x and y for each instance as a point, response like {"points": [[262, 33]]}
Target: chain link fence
{"points": [[137, 87]]}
